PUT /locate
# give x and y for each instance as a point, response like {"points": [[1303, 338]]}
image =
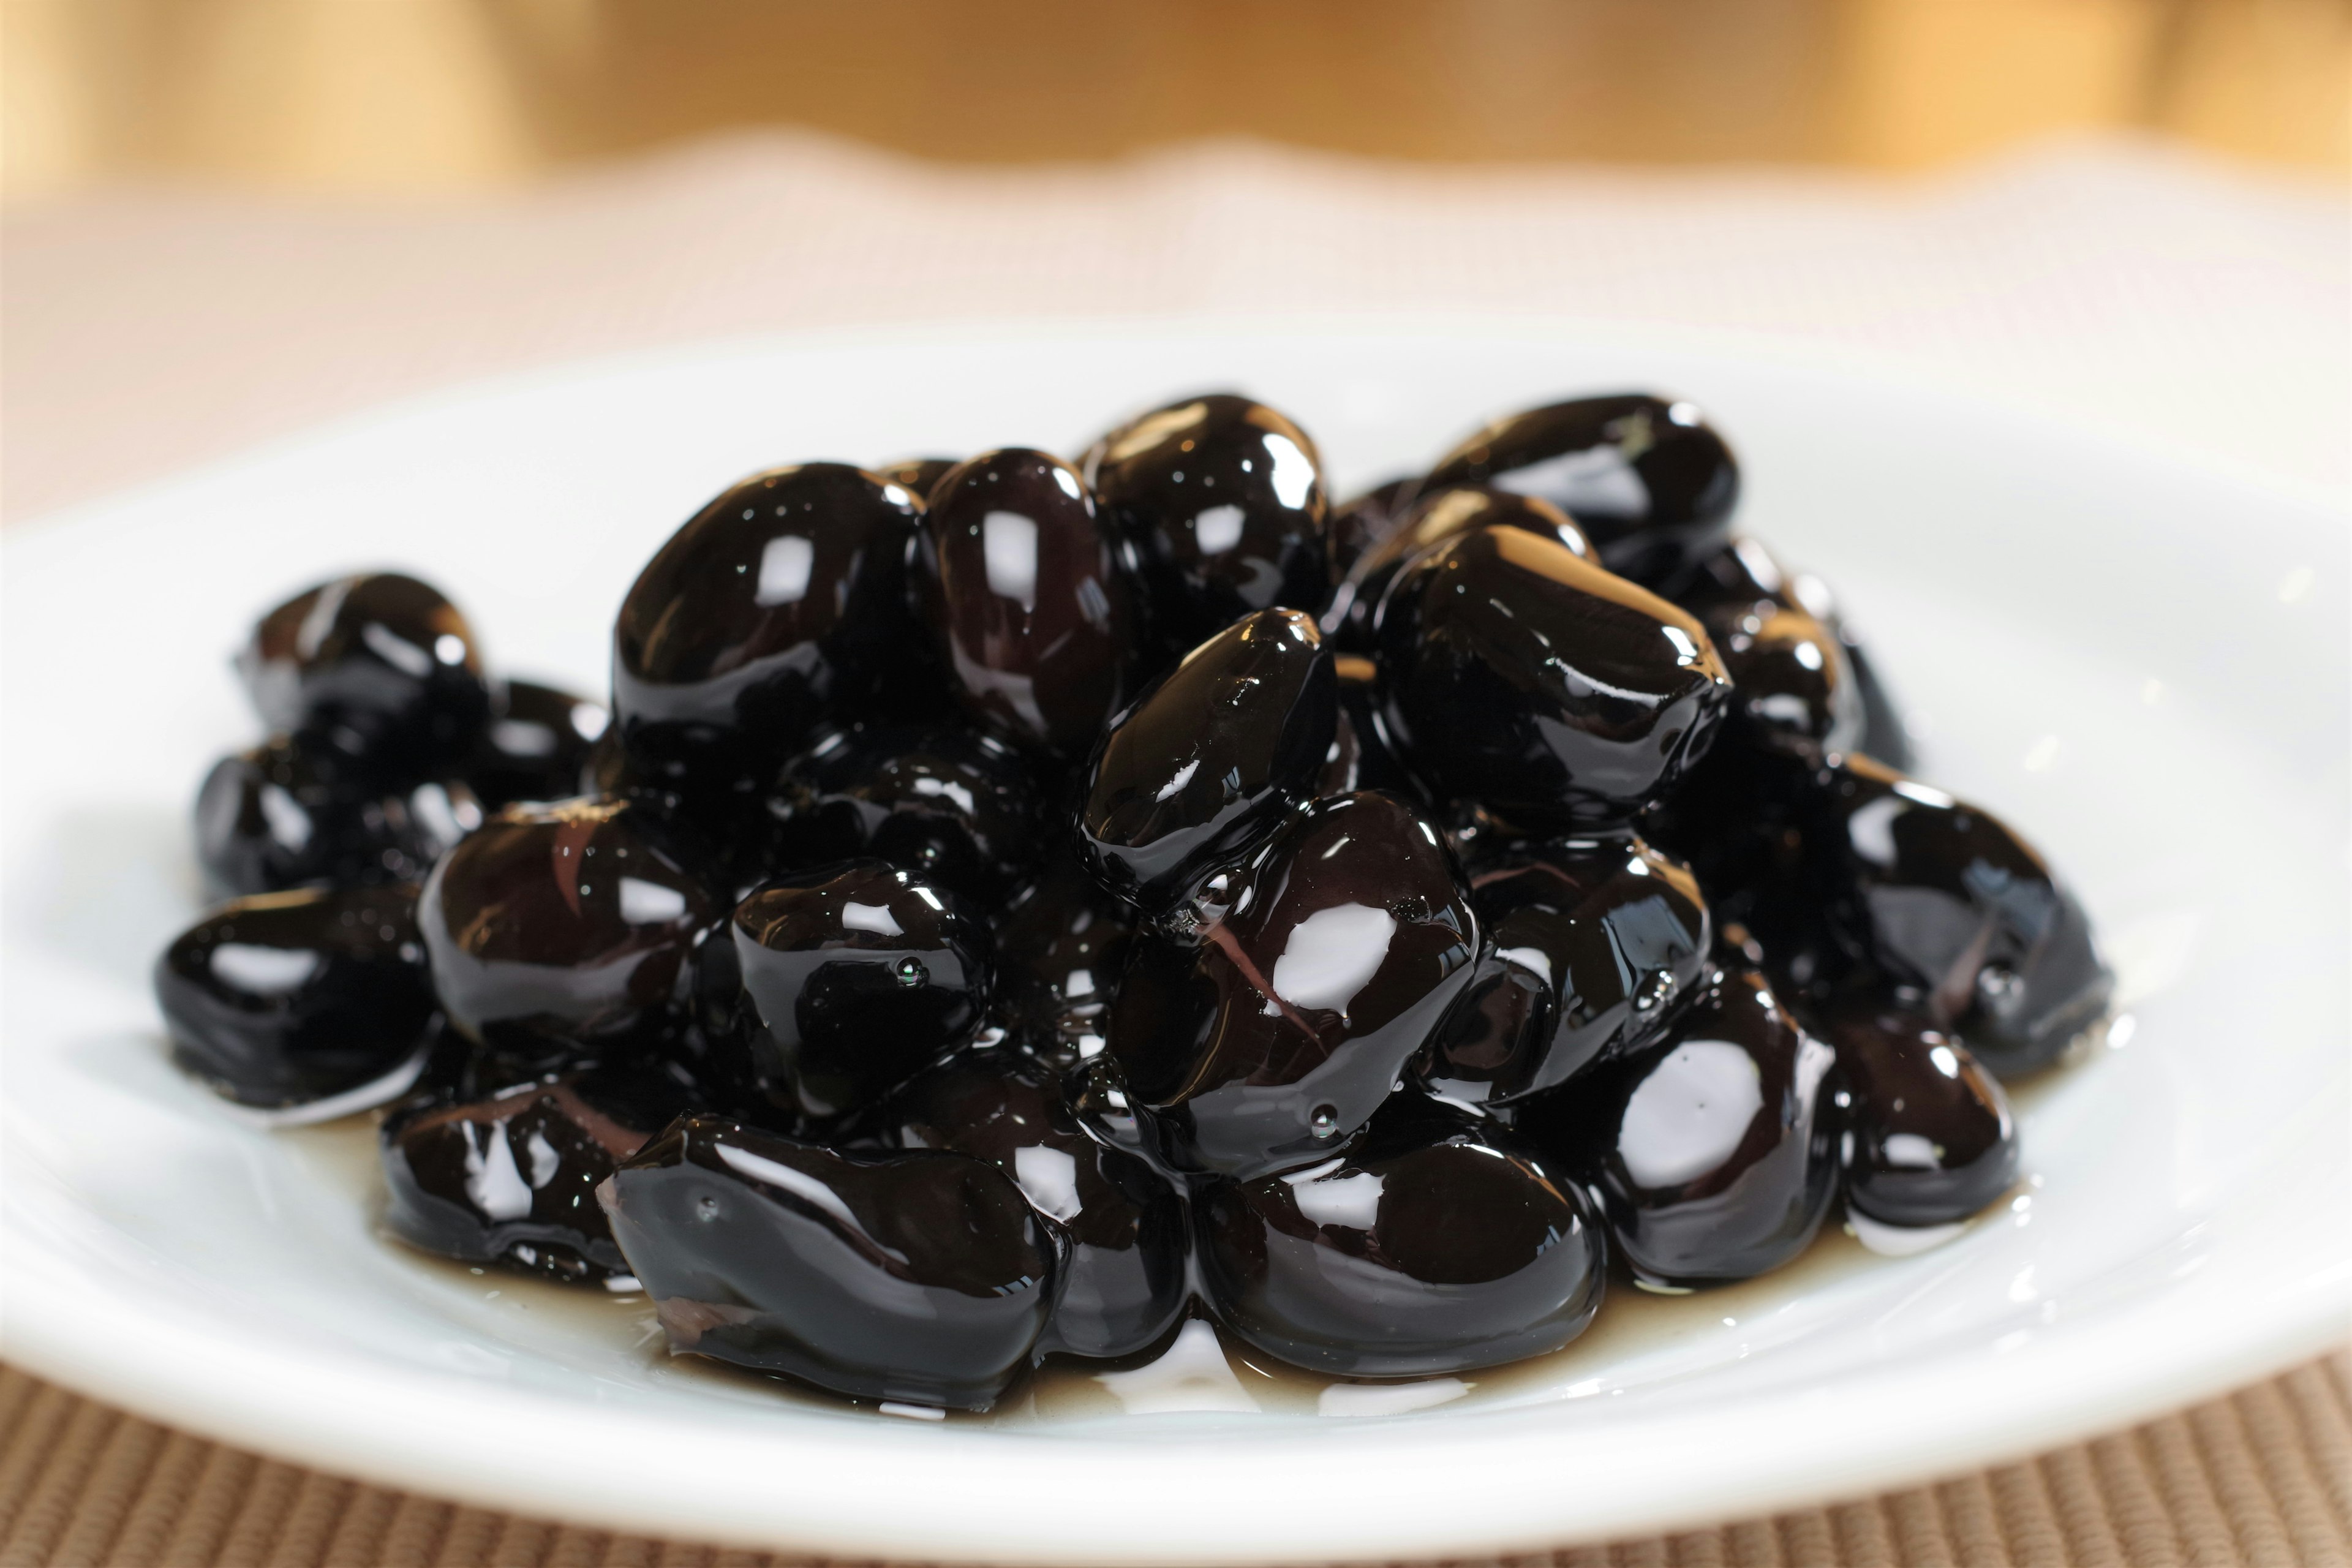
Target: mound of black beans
{"points": [[1009, 906]]}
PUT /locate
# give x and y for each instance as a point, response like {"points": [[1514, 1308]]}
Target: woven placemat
{"points": [[2263, 1476]]}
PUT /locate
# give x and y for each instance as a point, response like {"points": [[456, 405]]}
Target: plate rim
{"points": [[212, 1394], [1813, 355]]}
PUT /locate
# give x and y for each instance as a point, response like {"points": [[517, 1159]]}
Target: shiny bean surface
{"points": [[1885, 735], [1123, 1281], [1436, 517], [1796, 689], [1437, 1246], [916, 475], [511, 1178], [1363, 520], [380, 669], [956, 807], [1519, 675], [1646, 478], [1265, 1040], [1344, 770], [720, 827], [1735, 816], [1929, 1138], [1097, 1097], [536, 745], [1025, 599], [1714, 1152], [562, 931], [923, 1277], [914, 687], [1590, 946], [1060, 950], [285, 815], [285, 999], [851, 979], [1211, 758], [773, 607], [1360, 756], [1223, 500], [1942, 895]]}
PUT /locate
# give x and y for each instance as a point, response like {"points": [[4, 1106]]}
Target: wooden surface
{"points": [[434, 94], [2262, 1477]]}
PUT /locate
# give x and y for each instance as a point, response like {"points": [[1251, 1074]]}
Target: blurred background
{"points": [[434, 94], [222, 221]]}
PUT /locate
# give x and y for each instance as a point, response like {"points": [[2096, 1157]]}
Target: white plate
{"points": [[2140, 665]]}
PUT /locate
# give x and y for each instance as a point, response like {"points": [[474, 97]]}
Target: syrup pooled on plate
{"points": [[1019, 920]]}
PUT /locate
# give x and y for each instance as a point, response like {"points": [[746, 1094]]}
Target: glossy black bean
{"points": [[1881, 733], [1097, 1097], [609, 773], [1647, 478], [852, 978], [1359, 756], [958, 808], [1714, 1151], [1060, 949], [1436, 517], [287, 999], [708, 1046], [457, 1069], [1590, 946], [1735, 816], [1223, 500], [1929, 1139], [1123, 1281], [923, 1277], [285, 816], [1343, 768], [1885, 735], [511, 1178], [1266, 1040], [1361, 521], [562, 930], [1025, 600], [775, 606], [1943, 896], [1211, 758], [914, 687], [1796, 690], [1437, 1246], [916, 475], [536, 747], [721, 827], [1784, 931], [379, 669], [1521, 675]]}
